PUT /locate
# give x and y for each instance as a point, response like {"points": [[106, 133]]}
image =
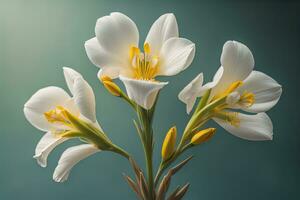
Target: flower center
{"points": [[144, 65], [58, 116], [230, 117], [233, 100], [247, 99], [232, 87]]}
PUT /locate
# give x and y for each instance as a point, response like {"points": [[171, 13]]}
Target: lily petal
{"points": [[252, 127], [42, 101], [116, 33], [70, 158], [142, 92], [47, 143], [84, 98], [163, 28], [108, 62], [238, 63], [70, 75], [113, 72], [190, 93], [217, 78], [176, 55], [265, 89], [195, 89]]}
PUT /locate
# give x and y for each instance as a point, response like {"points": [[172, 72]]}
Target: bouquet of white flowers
{"points": [[235, 91]]}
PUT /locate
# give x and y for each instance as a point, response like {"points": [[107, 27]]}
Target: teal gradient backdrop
{"points": [[38, 38]]}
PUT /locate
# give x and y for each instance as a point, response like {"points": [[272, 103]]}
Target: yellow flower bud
{"points": [[105, 78], [203, 136], [112, 87], [168, 146]]}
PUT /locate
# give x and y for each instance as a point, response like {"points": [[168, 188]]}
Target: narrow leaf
{"points": [[163, 187], [143, 186], [136, 168], [139, 130], [133, 185], [173, 194], [180, 165], [182, 191]]}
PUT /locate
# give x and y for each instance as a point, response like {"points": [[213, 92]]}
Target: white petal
{"points": [[195, 89], [70, 75], [266, 91], [175, 56], [190, 93], [42, 101], [113, 72], [238, 63], [142, 92], [217, 78], [237, 60], [108, 62], [163, 28], [116, 33], [47, 143], [84, 98], [252, 127], [70, 158]]}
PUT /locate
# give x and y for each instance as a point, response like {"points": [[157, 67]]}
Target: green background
{"points": [[38, 38]]}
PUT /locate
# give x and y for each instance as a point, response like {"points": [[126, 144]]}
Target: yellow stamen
{"points": [[203, 136], [168, 146], [232, 87], [57, 115], [147, 48], [247, 99], [134, 51], [230, 117], [144, 66]]}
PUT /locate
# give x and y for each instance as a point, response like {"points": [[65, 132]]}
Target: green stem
{"points": [[158, 173], [120, 151], [197, 118], [145, 119], [126, 98], [150, 173], [203, 100]]}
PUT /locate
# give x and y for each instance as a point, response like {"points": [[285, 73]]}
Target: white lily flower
{"points": [[71, 157], [44, 110], [248, 90], [115, 50]]}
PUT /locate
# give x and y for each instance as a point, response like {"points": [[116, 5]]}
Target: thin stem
{"points": [[145, 119], [150, 172], [125, 97], [158, 174], [197, 118], [203, 101], [120, 151]]}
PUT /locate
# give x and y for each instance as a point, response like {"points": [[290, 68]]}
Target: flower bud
{"points": [[168, 146], [111, 86], [203, 136], [105, 78]]}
